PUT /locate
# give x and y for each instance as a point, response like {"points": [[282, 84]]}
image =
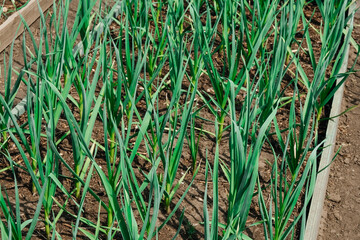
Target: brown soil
{"points": [[341, 214], [8, 8]]}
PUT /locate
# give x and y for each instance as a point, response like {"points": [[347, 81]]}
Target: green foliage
{"points": [[143, 77]]}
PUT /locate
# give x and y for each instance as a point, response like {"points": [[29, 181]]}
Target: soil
{"points": [[193, 203], [341, 214], [8, 8]]}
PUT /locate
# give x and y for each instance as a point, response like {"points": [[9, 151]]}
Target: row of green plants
{"points": [[138, 76]]}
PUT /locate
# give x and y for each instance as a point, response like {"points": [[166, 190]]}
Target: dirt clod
{"points": [[337, 216], [334, 197]]}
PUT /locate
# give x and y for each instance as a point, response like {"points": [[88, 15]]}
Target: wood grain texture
{"points": [[30, 13]]}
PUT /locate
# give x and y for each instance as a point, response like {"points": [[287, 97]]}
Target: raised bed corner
{"points": [[9, 29]]}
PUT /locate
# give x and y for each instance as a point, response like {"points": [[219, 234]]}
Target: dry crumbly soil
{"points": [[341, 213]]}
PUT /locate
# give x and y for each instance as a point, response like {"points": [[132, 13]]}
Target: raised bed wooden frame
{"points": [[9, 29], [317, 201]]}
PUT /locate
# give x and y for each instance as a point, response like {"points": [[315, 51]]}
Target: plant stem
{"points": [[78, 183], [221, 126], [81, 104], [34, 168], [112, 146], [318, 119], [47, 226], [167, 198], [4, 135], [78, 189], [110, 216]]}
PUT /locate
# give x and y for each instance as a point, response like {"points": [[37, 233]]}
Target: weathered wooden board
{"points": [[30, 13]]}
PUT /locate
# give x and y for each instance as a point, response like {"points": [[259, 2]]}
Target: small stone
{"points": [[334, 197], [337, 216], [5, 9], [262, 166], [210, 90], [347, 160]]}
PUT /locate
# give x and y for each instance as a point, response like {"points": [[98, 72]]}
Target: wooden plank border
{"points": [[317, 201], [30, 13]]}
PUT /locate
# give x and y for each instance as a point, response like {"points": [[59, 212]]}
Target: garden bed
{"points": [[140, 85]]}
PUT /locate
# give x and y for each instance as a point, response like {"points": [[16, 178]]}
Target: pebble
{"points": [[337, 216], [347, 160], [334, 197], [5, 9]]}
